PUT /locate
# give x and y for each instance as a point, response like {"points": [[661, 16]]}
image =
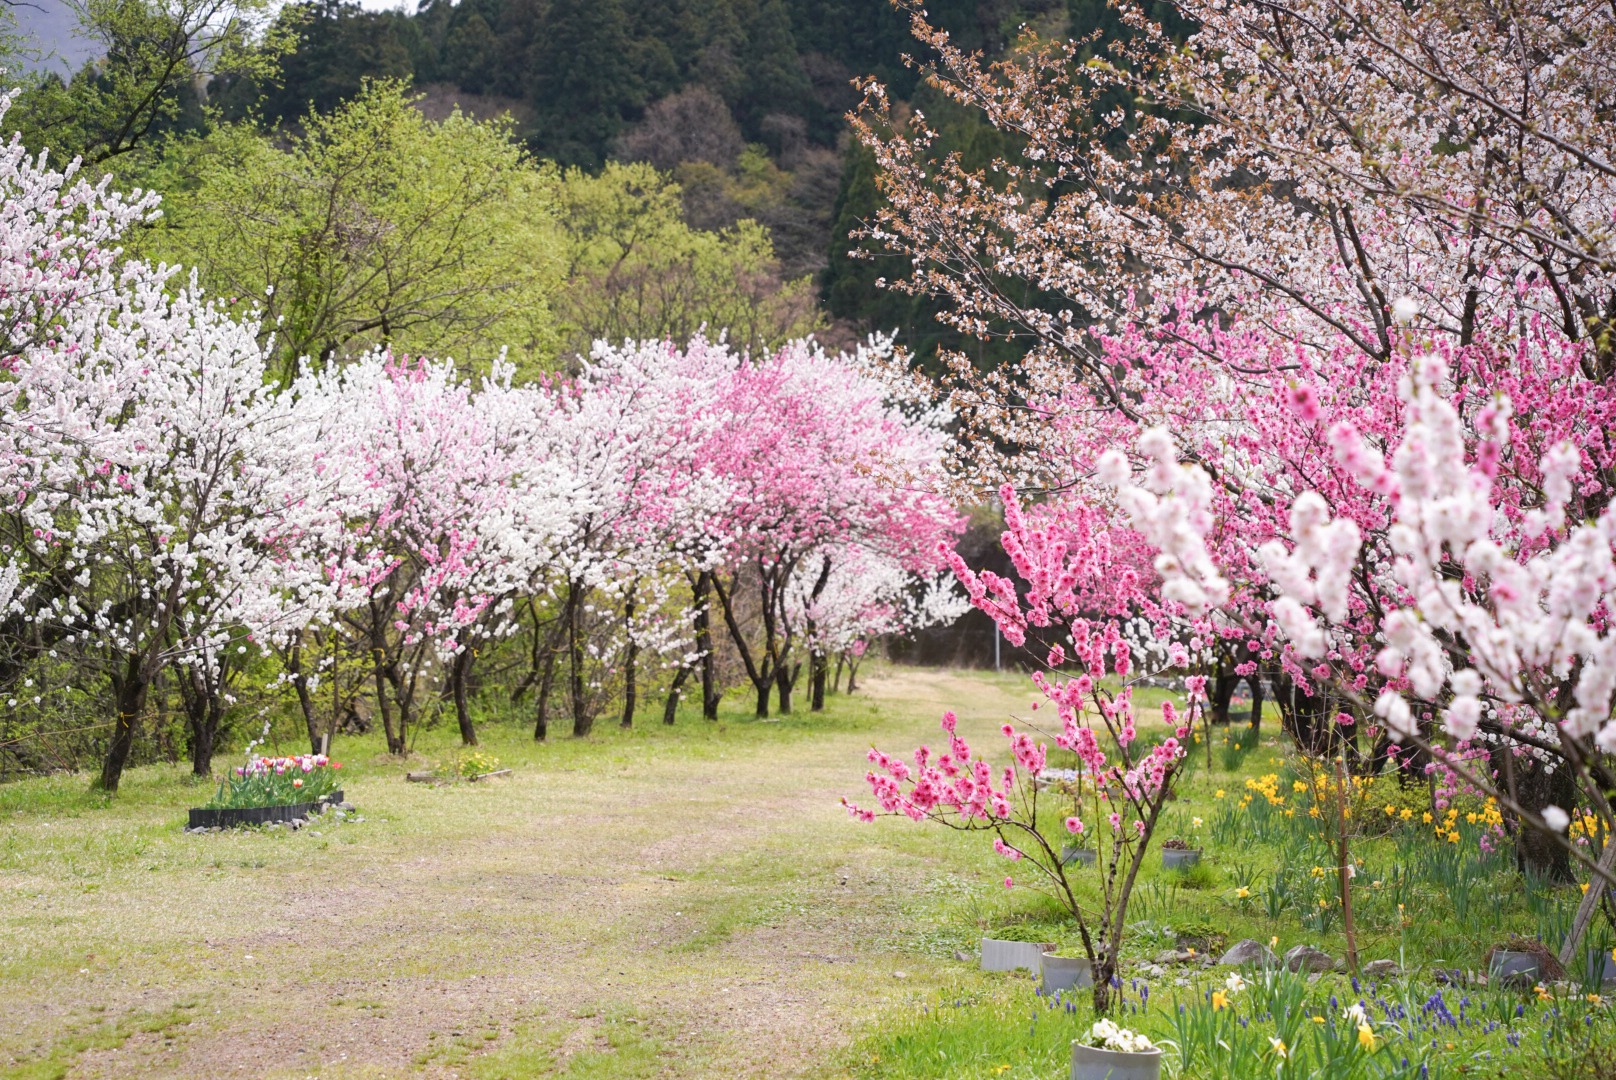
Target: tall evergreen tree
{"points": [[583, 82]]}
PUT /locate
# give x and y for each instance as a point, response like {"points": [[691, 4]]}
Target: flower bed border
{"points": [[229, 817]]}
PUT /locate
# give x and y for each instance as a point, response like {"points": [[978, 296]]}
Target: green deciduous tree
{"points": [[153, 58], [636, 270], [376, 226]]}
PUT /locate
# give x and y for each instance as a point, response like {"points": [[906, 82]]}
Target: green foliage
{"points": [[156, 54], [375, 226], [634, 269]]}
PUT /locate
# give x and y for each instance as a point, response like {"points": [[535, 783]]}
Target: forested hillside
{"points": [[739, 106]]}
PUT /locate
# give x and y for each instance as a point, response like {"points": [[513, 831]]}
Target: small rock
{"points": [[1206, 959], [1248, 953], [314, 832], [1154, 971], [1307, 958], [1381, 969], [900, 974], [1315, 977], [345, 806], [962, 956], [1168, 957]]}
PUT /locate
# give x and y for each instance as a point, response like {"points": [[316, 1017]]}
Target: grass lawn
{"points": [[685, 902]]}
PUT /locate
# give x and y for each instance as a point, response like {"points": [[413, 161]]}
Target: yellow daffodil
{"points": [[1220, 1000], [1278, 1046], [1366, 1037], [1318, 1019], [1426, 817], [1218, 794], [1242, 892]]}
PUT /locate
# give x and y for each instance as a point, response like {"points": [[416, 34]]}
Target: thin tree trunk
{"points": [[670, 707], [129, 692], [300, 684], [762, 678], [378, 666], [818, 671], [541, 711], [458, 673], [582, 721], [701, 590], [631, 656]]}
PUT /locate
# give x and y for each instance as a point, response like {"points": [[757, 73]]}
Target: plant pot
{"points": [[1082, 855], [1065, 972], [230, 817], [1092, 1063], [1179, 858], [1600, 960], [1507, 964], [1001, 955]]}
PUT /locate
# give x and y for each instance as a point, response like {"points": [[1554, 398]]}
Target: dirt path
{"points": [[715, 915]]}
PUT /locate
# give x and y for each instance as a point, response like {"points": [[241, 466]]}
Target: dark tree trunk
{"points": [[459, 675], [541, 712], [852, 673], [1256, 701], [702, 591], [762, 677], [305, 701], [836, 683], [129, 691], [1534, 788], [818, 673], [378, 665], [1223, 686], [785, 679], [582, 720], [670, 707], [631, 656], [204, 715]]}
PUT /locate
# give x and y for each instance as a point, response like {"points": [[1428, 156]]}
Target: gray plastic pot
{"points": [[1601, 961], [1083, 855], [1000, 955], [1065, 972], [1092, 1063], [1176, 858], [1506, 963]]}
